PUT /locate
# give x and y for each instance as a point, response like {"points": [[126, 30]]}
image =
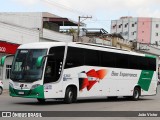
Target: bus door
{"points": [[52, 82]]}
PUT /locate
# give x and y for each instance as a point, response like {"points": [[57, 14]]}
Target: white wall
{"points": [[132, 30], [113, 26], [6, 81], [126, 29], [23, 19], [56, 36], [155, 30], [18, 35], [125, 32], [120, 26]]}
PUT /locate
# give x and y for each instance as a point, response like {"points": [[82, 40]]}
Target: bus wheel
{"points": [[136, 94], [69, 96], [40, 100], [1, 90]]}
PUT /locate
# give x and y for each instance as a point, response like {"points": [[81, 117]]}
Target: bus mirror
{"points": [[39, 61], [2, 61]]}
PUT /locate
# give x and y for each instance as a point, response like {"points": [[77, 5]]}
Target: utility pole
{"points": [[79, 22]]}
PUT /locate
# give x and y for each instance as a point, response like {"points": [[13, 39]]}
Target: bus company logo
{"points": [[21, 86], [90, 78], [2, 49]]}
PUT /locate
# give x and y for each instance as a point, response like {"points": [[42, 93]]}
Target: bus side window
{"points": [[92, 57], [75, 57], [121, 60], [108, 59], [152, 64]]}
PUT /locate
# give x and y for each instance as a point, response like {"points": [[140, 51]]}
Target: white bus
{"points": [[70, 71]]}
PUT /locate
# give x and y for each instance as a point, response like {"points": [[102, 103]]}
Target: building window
{"points": [[8, 71], [119, 26], [125, 25], [157, 25], [132, 25], [156, 34], [114, 26]]}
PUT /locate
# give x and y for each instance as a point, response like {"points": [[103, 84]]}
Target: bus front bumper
{"points": [[38, 92]]}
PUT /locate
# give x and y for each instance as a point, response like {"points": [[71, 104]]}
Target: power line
{"points": [[64, 7]]}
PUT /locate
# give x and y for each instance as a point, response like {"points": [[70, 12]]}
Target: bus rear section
{"points": [[102, 72]]}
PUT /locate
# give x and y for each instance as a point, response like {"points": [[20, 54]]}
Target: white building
{"points": [[21, 28], [139, 29]]}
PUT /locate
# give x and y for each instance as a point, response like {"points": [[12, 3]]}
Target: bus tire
{"points": [[40, 100], [1, 90], [136, 94], [69, 96]]}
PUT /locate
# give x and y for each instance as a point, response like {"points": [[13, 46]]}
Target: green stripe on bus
{"points": [[150, 56], [145, 79], [38, 92]]}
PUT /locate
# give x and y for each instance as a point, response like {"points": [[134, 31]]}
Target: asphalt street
{"points": [[147, 103]]}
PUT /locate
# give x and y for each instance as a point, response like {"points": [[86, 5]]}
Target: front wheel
{"points": [[136, 94], [40, 100], [70, 96]]}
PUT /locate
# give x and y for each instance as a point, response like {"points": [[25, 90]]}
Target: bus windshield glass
{"points": [[24, 65]]}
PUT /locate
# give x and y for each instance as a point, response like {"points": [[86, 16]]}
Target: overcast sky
{"points": [[102, 11]]}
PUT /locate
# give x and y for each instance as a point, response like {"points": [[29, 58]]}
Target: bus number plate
{"points": [[21, 93]]}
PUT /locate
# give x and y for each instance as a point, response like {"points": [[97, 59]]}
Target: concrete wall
{"points": [[24, 19], [127, 27], [18, 35], [133, 24], [113, 26], [3, 72], [144, 30], [155, 32], [56, 36]]}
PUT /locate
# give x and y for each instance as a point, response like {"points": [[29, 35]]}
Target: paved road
{"points": [[147, 103]]}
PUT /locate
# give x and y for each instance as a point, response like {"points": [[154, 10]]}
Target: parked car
{"points": [[1, 87]]}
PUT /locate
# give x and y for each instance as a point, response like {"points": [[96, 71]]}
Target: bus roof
{"points": [[47, 45], [104, 48], [41, 45]]}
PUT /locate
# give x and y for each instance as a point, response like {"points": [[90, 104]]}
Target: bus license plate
{"points": [[21, 93]]}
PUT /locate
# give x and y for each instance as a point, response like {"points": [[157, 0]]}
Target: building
{"points": [[21, 28], [138, 29]]}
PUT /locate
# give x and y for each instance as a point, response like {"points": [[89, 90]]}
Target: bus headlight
{"points": [[34, 86]]}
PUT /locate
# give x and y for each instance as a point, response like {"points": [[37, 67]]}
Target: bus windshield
{"points": [[24, 65]]}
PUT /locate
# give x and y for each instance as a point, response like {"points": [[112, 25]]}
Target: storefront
{"points": [[6, 48]]}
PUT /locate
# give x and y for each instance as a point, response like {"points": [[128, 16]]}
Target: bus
{"points": [[69, 71]]}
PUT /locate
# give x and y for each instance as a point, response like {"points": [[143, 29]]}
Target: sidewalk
{"points": [[5, 91]]}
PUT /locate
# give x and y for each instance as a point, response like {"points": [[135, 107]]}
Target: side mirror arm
{"points": [[40, 60], [2, 60]]}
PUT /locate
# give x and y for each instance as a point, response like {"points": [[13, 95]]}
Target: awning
{"points": [[62, 21]]}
